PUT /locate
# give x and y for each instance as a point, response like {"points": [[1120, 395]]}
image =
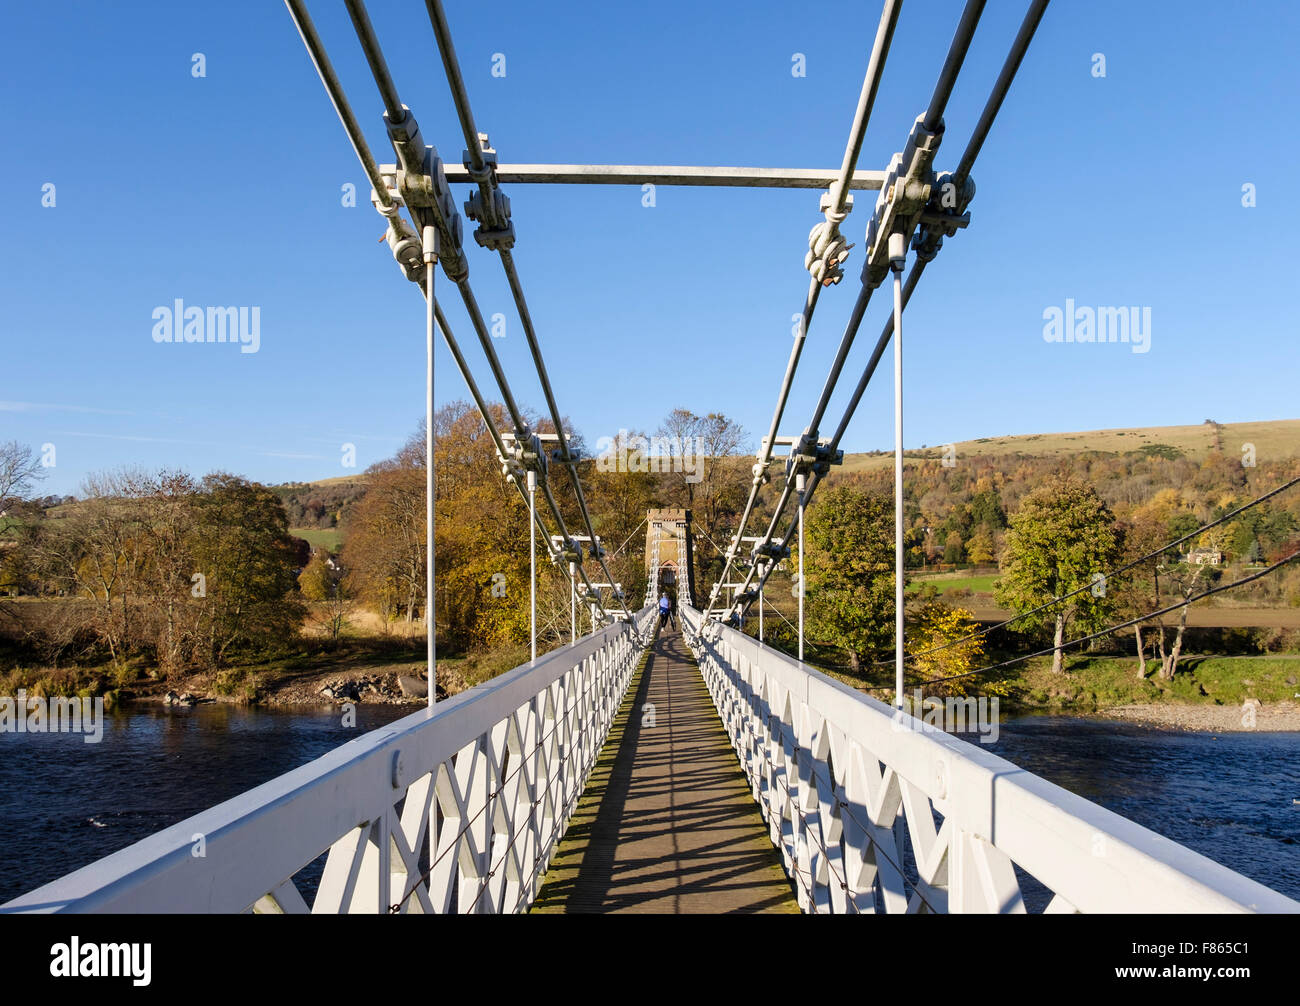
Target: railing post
{"points": [[532, 563], [897, 260], [800, 487], [429, 241]]}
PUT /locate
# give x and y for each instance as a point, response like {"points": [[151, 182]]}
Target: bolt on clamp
{"points": [[944, 214]]}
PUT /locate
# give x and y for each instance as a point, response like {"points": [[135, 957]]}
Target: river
{"points": [[65, 803]]}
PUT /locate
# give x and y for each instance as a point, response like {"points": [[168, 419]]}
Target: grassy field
{"points": [[329, 538], [1272, 439], [945, 583]]}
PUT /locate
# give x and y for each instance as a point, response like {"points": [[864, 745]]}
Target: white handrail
{"points": [[850, 789], [492, 775]]}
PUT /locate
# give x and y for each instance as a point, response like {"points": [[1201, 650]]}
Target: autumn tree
{"points": [[618, 502], [1062, 539], [850, 572], [481, 547], [20, 468], [159, 563], [94, 552], [946, 644], [385, 550], [314, 582]]}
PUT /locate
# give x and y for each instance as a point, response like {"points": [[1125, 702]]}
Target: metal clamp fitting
{"points": [[488, 205], [903, 196]]}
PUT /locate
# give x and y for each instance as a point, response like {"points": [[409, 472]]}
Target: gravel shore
{"points": [[1209, 718]]}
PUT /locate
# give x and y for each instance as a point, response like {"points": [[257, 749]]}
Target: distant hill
{"points": [[316, 510], [361, 478], [1273, 439]]}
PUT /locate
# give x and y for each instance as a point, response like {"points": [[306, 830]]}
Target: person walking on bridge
{"points": [[672, 611], [665, 606]]}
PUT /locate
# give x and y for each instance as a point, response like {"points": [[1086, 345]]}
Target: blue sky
{"points": [[225, 190]]}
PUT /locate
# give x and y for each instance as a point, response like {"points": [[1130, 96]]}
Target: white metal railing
{"points": [[451, 809], [873, 811]]}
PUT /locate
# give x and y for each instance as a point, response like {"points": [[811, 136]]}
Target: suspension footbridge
{"points": [[654, 768]]}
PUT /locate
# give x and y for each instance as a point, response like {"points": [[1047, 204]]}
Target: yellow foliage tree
{"points": [[937, 625]]}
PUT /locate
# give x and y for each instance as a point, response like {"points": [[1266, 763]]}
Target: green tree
{"points": [[850, 572], [242, 547], [986, 508], [981, 548], [1062, 538]]}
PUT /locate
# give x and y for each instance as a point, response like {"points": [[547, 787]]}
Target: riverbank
{"points": [[369, 671], [1209, 693]]}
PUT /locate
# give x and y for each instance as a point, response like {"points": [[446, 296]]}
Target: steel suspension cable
{"points": [[316, 49], [570, 462], [934, 115], [1008, 73], [839, 194], [1010, 66], [329, 78], [450, 340], [478, 161], [952, 64], [375, 57], [388, 90]]}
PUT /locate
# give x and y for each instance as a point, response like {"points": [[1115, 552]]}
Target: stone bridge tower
{"points": [[669, 550]]}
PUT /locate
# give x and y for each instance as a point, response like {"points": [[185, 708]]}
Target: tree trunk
{"points": [[1170, 667], [1142, 653], [1058, 653]]}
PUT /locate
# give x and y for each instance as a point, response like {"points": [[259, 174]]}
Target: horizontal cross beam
{"points": [[657, 174]]}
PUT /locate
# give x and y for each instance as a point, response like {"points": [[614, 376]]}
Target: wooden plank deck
{"points": [[667, 824]]}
